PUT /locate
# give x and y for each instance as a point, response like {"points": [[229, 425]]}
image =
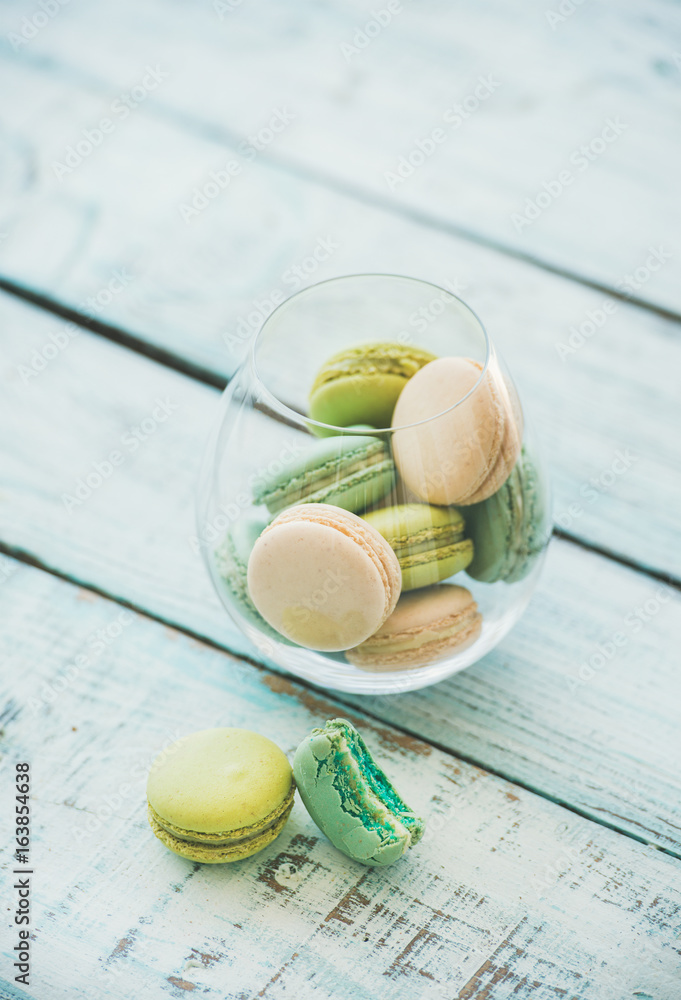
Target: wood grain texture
{"points": [[583, 405], [506, 893], [554, 87], [200, 291], [548, 708]]}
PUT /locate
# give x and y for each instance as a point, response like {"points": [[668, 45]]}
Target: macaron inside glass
{"points": [[458, 430], [362, 384], [426, 626], [428, 541], [349, 471], [219, 795], [511, 528], [351, 799], [323, 577]]}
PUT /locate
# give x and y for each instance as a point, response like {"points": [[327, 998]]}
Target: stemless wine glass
{"points": [[263, 429]]}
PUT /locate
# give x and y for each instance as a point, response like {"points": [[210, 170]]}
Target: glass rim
{"points": [[295, 417]]}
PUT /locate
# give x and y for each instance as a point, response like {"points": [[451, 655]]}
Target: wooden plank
{"points": [[506, 892], [602, 741], [185, 286], [552, 89]]}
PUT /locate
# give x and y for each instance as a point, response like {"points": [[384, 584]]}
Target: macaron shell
{"points": [[350, 798], [349, 471], [426, 626], [218, 781], [421, 569], [448, 458], [323, 577], [357, 398], [510, 445], [493, 525], [234, 850], [511, 528], [536, 528], [427, 540], [361, 384]]}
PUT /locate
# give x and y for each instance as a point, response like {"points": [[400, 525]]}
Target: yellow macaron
{"points": [[219, 795]]}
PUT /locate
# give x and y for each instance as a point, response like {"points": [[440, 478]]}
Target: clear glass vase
{"points": [[472, 465]]}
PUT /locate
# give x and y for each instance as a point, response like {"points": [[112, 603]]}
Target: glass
{"points": [[475, 456]]}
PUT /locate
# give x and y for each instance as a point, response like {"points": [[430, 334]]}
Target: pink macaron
{"points": [[458, 431], [323, 577]]}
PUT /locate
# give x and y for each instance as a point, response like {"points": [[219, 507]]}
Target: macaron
{"points": [[426, 626], [231, 562], [350, 798], [219, 795], [362, 384], [323, 577], [353, 472], [511, 528], [467, 434], [428, 541]]}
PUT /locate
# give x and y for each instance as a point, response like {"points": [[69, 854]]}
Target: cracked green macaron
{"points": [[361, 384], [219, 795], [428, 541], [350, 798]]}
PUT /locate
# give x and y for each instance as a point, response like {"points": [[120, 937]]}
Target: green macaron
{"points": [[510, 529], [231, 563], [350, 471], [219, 795], [428, 541], [362, 384], [350, 798]]}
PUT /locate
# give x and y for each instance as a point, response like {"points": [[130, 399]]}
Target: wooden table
{"points": [[169, 171]]}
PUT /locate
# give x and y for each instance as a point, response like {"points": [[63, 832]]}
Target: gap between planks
{"points": [[28, 559], [231, 139]]}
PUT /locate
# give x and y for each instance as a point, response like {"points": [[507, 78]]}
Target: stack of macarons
{"points": [[416, 476]]}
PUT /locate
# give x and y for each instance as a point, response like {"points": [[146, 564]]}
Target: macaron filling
{"points": [[438, 632], [227, 837], [364, 793], [460, 551], [332, 475]]}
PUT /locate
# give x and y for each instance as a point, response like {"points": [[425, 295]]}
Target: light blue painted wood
{"points": [[506, 891], [193, 291], [605, 747], [551, 88]]}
